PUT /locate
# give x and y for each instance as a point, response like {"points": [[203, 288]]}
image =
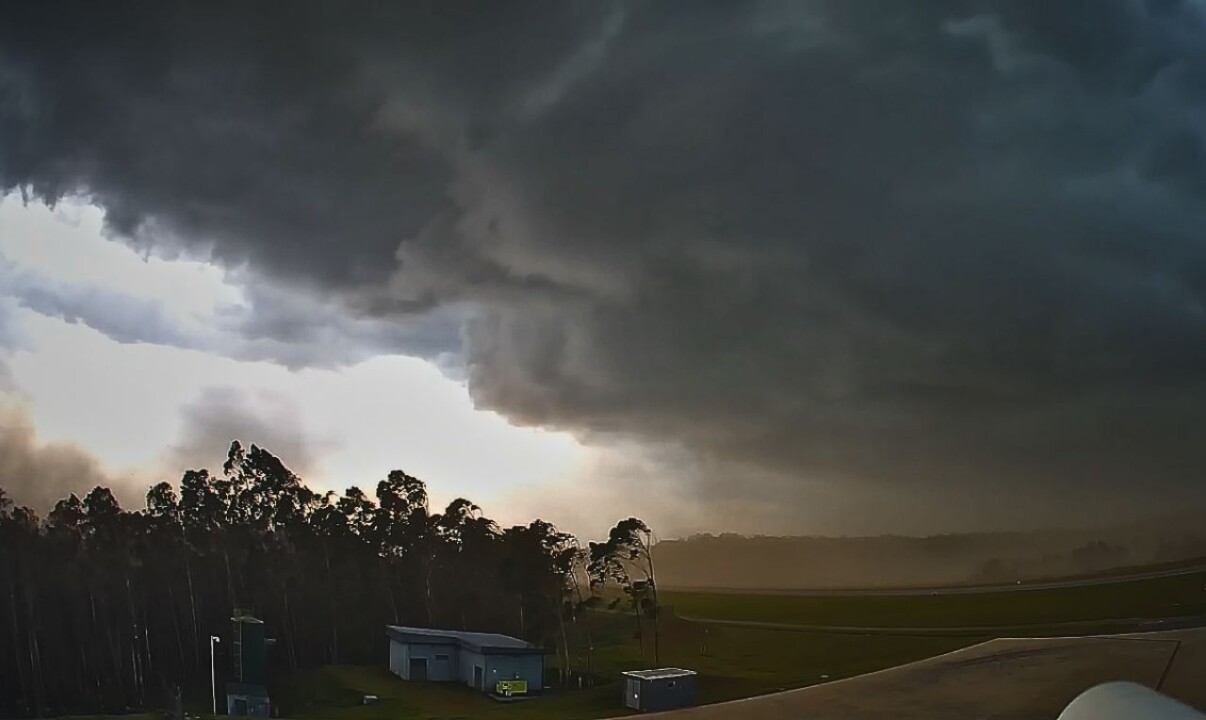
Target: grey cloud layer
{"points": [[894, 247], [40, 474], [274, 322]]}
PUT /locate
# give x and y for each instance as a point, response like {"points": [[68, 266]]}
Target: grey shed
{"points": [[479, 660], [656, 690]]}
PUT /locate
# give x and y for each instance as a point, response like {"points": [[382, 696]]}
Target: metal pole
{"points": [[213, 675]]}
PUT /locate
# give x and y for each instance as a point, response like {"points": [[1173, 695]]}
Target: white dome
{"points": [[1127, 701]]}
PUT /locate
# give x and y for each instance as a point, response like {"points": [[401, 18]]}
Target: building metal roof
{"points": [[487, 643], [235, 688], [659, 674]]}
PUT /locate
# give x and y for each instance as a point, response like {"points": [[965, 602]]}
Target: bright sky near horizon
{"points": [[149, 411]]}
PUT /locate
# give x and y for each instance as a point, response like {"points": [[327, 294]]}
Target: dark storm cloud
{"points": [[254, 128], [900, 248], [298, 329]]}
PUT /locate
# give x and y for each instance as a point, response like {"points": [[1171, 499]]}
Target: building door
{"points": [[479, 677], [634, 694], [418, 669]]}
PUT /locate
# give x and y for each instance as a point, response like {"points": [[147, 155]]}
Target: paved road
{"points": [[1020, 679], [961, 590]]}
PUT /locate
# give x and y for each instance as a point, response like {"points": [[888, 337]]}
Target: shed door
{"points": [[418, 669], [479, 677], [634, 694]]}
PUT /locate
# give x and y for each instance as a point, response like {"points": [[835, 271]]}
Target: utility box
{"points": [[657, 690], [247, 700]]}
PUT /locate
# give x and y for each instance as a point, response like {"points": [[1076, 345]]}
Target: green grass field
{"points": [[335, 693], [740, 660], [1177, 596], [733, 662]]}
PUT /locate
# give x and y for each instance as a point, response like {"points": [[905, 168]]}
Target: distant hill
{"points": [[736, 561]]}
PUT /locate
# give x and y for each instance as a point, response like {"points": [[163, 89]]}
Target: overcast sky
{"points": [[827, 266]]}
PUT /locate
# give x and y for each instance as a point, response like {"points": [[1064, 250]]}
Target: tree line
{"points": [[104, 609]]}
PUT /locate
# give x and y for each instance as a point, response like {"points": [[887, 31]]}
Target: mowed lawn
{"points": [[1166, 597], [336, 693], [736, 661], [733, 662]]}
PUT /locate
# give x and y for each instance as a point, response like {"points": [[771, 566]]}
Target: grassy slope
{"points": [[733, 662], [1155, 598], [335, 692], [736, 661]]}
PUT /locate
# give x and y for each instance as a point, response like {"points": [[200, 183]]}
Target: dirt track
{"points": [[1022, 678]]}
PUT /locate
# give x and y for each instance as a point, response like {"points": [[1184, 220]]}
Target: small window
{"points": [[671, 684], [439, 657]]}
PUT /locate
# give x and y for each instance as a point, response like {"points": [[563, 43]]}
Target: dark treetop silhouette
{"points": [[105, 609]]}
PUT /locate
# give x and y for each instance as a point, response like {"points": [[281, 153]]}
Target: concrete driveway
{"points": [[1006, 679]]}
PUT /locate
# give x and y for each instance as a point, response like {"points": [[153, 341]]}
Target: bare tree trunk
{"points": [[35, 667], [135, 664], [37, 677], [192, 601], [230, 588], [179, 635], [147, 665], [640, 631], [590, 640], [656, 605], [95, 632], [430, 562], [565, 665], [331, 606], [12, 594], [657, 652], [114, 651], [389, 587], [291, 628]]}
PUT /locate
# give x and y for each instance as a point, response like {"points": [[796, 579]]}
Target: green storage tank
{"points": [[247, 649]]}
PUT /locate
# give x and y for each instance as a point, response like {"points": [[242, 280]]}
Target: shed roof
{"points": [[234, 688], [659, 674], [480, 642]]}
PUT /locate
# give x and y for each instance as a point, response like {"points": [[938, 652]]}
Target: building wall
{"points": [[246, 705], [667, 693], [398, 658], [506, 667], [442, 660], [460, 663], [442, 663], [466, 660], [632, 693]]}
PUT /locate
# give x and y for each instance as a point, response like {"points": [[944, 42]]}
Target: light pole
{"points": [[213, 675]]}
